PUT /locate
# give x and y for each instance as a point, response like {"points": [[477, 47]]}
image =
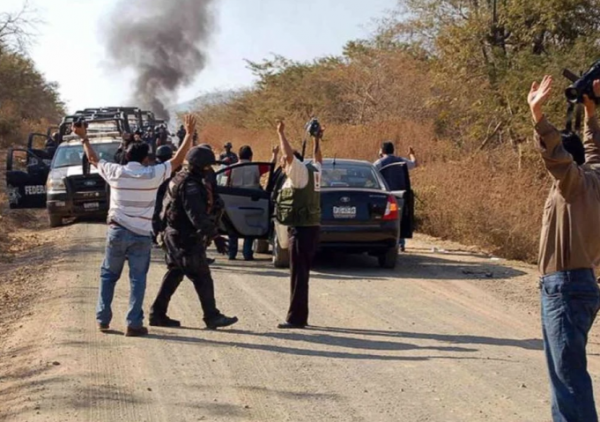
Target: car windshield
{"points": [[349, 175], [72, 155]]}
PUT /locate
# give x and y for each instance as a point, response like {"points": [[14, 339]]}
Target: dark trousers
{"points": [[570, 302], [248, 252], [303, 246], [189, 260]]}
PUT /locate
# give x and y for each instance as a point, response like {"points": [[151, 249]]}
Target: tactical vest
{"points": [[300, 207], [173, 214]]}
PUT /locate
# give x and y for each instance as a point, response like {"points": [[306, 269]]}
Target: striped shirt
{"points": [[133, 189]]}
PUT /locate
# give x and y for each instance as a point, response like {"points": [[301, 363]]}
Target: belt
{"points": [[114, 223]]}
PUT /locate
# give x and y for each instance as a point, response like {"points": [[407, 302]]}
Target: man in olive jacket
{"points": [[299, 208]]}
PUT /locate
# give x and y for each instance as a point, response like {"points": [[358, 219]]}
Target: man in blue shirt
{"points": [[394, 170]]}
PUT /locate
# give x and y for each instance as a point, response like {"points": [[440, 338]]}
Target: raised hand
{"points": [[189, 121], [538, 95], [80, 131]]}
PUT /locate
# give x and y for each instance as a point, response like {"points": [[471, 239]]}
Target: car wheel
{"points": [[55, 220], [262, 246], [281, 257], [389, 258]]}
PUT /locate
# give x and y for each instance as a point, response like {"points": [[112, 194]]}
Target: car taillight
{"points": [[391, 209]]}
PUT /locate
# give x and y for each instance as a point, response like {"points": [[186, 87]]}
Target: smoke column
{"points": [[164, 42]]}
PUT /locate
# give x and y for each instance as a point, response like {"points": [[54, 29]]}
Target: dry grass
{"points": [[482, 199]]}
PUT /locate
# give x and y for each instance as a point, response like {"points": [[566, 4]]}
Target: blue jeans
{"points": [[121, 245], [247, 251], [570, 302]]}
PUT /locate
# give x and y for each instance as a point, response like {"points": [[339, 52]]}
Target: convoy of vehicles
{"points": [[57, 178], [358, 212]]}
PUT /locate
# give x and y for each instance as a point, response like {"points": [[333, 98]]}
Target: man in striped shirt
{"points": [[132, 199]]}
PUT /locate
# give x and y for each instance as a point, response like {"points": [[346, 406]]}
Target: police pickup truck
{"points": [[61, 185]]}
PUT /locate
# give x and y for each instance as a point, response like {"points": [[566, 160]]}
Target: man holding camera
{"points": [[299, 208], [569, 251], [129, 238]]}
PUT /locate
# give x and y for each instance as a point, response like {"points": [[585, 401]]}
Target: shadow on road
{"points": [[286, 350], [528, 344]]}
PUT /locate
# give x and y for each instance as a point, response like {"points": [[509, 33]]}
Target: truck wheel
{"points": [[389, 258], [262, 246], [55, 220], [281, 257]]}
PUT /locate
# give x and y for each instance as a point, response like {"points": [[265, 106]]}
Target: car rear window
{"points": [[72, 155], [349, 175]]}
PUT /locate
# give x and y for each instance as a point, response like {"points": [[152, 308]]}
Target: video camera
{"points": [[582, 85], [313, 127]]}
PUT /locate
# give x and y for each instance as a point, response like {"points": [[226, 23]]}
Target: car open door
{"points": [[248, 207], [405, 195], [26, 176]]}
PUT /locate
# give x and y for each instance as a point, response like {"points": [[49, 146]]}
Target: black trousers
{"points": [[185, 258], [303, 246]]}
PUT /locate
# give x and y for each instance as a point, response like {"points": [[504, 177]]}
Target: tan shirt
{"points": [[570, 236]]}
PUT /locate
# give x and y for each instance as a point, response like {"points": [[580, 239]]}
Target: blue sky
{"points": [[69, 47]]}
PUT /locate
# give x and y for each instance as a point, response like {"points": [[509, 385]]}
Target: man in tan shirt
{"points": [[569, 250]]}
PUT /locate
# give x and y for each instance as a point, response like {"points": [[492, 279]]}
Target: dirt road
{"points": [[448, 336]]}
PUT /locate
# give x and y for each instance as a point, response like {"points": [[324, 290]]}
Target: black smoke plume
{"points": [[163, 42]]}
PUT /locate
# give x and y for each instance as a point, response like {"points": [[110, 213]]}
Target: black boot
{"points": [[220, 322], [164, 321]]}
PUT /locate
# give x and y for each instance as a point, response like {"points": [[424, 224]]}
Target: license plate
{"points": [[91, 205], [344, 212]]}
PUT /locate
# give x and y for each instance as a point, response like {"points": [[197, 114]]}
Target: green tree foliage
{"points": [[488, 51], [27, 100]]}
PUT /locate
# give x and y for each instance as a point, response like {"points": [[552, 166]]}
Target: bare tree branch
{"points": [[18, 29]]}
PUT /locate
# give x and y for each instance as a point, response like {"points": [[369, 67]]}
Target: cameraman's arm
{"points": [[317, 154], [557, 160], [288, 151], [275, 154]]}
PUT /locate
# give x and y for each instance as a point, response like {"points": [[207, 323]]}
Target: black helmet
{"points": [[198, 158], [164, 153]]}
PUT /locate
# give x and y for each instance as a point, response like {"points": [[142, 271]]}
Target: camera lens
{"points": [[572, 94]]}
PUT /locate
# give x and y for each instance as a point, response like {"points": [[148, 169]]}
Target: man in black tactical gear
{"points": [[164, 153], [187, 212]]}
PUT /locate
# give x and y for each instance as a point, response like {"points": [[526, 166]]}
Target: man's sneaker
{"points": [[210, 261], [103, 327], [136, 332], [220, 322], [164, 322]]}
